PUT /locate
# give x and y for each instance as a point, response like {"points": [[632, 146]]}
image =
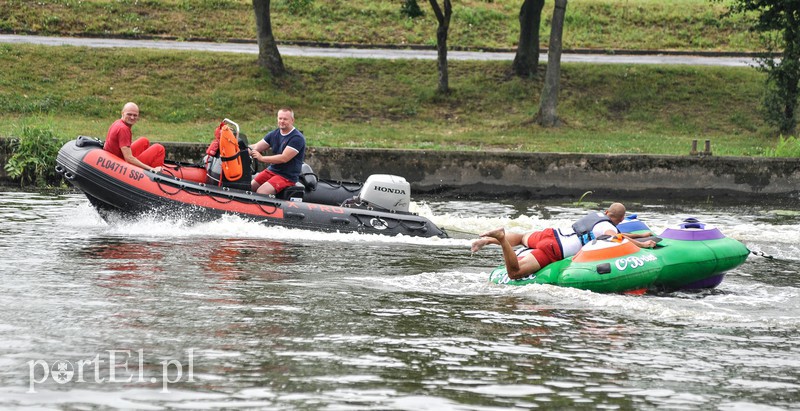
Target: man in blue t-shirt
{"points": [[289, 151]]}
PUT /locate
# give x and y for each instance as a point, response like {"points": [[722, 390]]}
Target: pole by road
{"points": [[371, 53]]}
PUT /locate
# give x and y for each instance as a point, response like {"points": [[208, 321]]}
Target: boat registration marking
{"points": [[118, 168]]}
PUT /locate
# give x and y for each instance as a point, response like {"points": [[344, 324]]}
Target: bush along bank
{"points": [[30, 159]]}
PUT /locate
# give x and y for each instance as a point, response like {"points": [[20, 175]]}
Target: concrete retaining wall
{"points": [[482, 175], [546, 175]]}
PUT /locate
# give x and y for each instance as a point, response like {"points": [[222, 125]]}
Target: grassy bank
{"points": [[373, 103], [593, 24]]}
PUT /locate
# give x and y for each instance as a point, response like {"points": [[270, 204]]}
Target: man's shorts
{"points": [[277, 182], [546, 248]]}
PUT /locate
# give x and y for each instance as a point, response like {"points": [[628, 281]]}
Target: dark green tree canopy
{"points": [[779, 22]]}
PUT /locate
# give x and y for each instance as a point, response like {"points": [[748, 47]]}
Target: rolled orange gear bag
{"points": [[229, 154]]}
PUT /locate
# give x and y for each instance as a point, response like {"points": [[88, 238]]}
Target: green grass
{"points": [[366, 103], [386, 104], [594, 24]]}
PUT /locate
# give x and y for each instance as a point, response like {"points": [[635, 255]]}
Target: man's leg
{"points": [[153, 156], [266, 189], [516, 268], [139, 146], [514, 239], [260, 180]]}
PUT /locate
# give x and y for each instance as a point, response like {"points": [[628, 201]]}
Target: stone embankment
{"points": [[492, 175]]}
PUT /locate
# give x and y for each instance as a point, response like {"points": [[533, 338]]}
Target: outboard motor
{"points": [[386, 191]]}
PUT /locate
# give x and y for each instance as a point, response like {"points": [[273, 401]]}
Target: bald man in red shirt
{"points": [[139, 153]]}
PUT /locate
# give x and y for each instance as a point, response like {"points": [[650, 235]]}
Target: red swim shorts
{"points": [[277, 182], [545, 245]]}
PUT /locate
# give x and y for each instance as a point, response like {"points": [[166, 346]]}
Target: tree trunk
{"points": [[552, 78], [441, 41], [790, 64], [268, 55], [790, 105], [526, 62]]}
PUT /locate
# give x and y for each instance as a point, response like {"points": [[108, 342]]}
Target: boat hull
{"points": [[115, 187]]}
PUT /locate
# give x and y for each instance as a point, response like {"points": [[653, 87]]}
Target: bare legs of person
{"points": [[265, 188], [514, 239], [482, 242], [515, 267]]}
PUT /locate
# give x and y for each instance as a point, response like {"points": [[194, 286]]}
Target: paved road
{"points": [[251, 48]]}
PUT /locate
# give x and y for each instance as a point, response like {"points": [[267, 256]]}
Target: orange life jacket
{"points": [[229, 154]]}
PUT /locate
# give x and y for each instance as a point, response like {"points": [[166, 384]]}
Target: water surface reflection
{"points": [[277, 318]]}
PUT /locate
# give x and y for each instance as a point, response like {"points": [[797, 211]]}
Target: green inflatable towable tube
{"points": [[691, 255]]}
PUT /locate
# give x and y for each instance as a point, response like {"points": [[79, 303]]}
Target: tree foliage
{"points": [[779, 23], [410, 8]]}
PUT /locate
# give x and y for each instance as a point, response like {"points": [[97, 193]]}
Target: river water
{"points": [[168, 315]]}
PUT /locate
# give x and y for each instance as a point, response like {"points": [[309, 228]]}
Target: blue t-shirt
{"points": [[278, 142]]}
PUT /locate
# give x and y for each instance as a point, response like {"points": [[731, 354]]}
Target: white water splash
{"points": [[154, 226]]}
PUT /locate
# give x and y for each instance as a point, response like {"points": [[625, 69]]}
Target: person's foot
{"points": [[497, 233], [478, 244], [486, 238]]}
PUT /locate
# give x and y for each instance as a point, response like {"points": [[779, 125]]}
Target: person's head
{"points": [[285, 119], [616, 212], [130, 113]]}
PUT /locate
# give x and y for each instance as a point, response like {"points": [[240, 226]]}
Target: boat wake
{"points": [[735, 303], [155, 226]]}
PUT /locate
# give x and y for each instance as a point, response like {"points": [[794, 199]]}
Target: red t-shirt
{"points": [[119, 135]]}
